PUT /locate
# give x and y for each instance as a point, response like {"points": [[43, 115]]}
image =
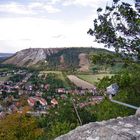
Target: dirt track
{"points": [[80, 83]]}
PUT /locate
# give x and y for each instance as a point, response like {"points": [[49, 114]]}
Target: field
{"points": [[3, 69], [2, 79], [93, 78], [59, 75], [80, 80], [80, 83]]}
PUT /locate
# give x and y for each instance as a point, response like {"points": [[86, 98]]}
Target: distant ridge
{"points": [[54, 58], [4, 56], [29, 57]]}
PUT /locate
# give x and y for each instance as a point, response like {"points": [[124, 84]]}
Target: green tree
{"points": [[19, 127], [59, 128], [107, 110], [119, 27]]}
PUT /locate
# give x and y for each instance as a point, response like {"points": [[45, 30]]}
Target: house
{"points": [[97, 99], [54, 101], [112, 89], [28, 87], [38, 94], [32, 101], [46, 86], [61, 90], [63, 96], [42, 101], [12, 108]]}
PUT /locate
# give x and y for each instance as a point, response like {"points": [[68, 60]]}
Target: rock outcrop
{"points": [[127, 128], [83, 62], [29, 57], [54, 58]]}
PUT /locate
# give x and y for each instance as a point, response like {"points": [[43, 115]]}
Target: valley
{"points": [[51, 89]]}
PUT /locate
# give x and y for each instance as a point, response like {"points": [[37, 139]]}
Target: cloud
{"points": [[84, 3], [33, 8], [43, 7], [20, 33], [15, 8], [59, 36], [36, 31]]}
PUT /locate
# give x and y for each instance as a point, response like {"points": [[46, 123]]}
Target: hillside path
{"points": [[80, 83]]}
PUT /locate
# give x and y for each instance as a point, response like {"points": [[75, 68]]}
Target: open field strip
{"points": [[2, 79], [80, 83], [93, 78], [59, 74]]}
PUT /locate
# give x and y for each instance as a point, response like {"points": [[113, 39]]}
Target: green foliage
{"points": [[86, 116], [54, 81], [60, 120], [63, 118], [71, 58], [103, 58], [59, 128], [129, 92], [107, 110], [19, 127], [119, 27], [16, 78]]}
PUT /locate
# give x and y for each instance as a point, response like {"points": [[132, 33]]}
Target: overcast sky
{"points": [[46, 23]]}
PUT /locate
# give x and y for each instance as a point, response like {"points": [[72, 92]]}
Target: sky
{"points": [[47, 23]]}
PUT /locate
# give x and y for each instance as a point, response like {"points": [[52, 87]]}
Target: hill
{"points": [[54, 58]]}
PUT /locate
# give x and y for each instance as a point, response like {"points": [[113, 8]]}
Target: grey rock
{"points": [[127, 128], [30, 57], [138, 112]]}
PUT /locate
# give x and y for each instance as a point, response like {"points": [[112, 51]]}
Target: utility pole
{"points": [[80, 122]]}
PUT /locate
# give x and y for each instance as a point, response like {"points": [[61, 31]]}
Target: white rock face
{"points": [[29, 57], [127, 128]]}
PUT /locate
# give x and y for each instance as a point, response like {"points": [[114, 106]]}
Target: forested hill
{"points": [[54, 58], [73, 58]]}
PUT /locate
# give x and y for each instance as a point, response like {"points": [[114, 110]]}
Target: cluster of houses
{"points": [[12, 72], [9, 93], [7, 87], [92, 101], [34, 96], [78, 91]]}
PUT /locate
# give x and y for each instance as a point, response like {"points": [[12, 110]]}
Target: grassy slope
{"points": [[4, 78], [93, 78], [59, 74]]}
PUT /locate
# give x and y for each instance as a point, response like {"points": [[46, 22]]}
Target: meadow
{"points": [[93, 78]]}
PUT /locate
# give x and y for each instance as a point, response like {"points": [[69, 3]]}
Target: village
{"points": [[24, 88]]}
